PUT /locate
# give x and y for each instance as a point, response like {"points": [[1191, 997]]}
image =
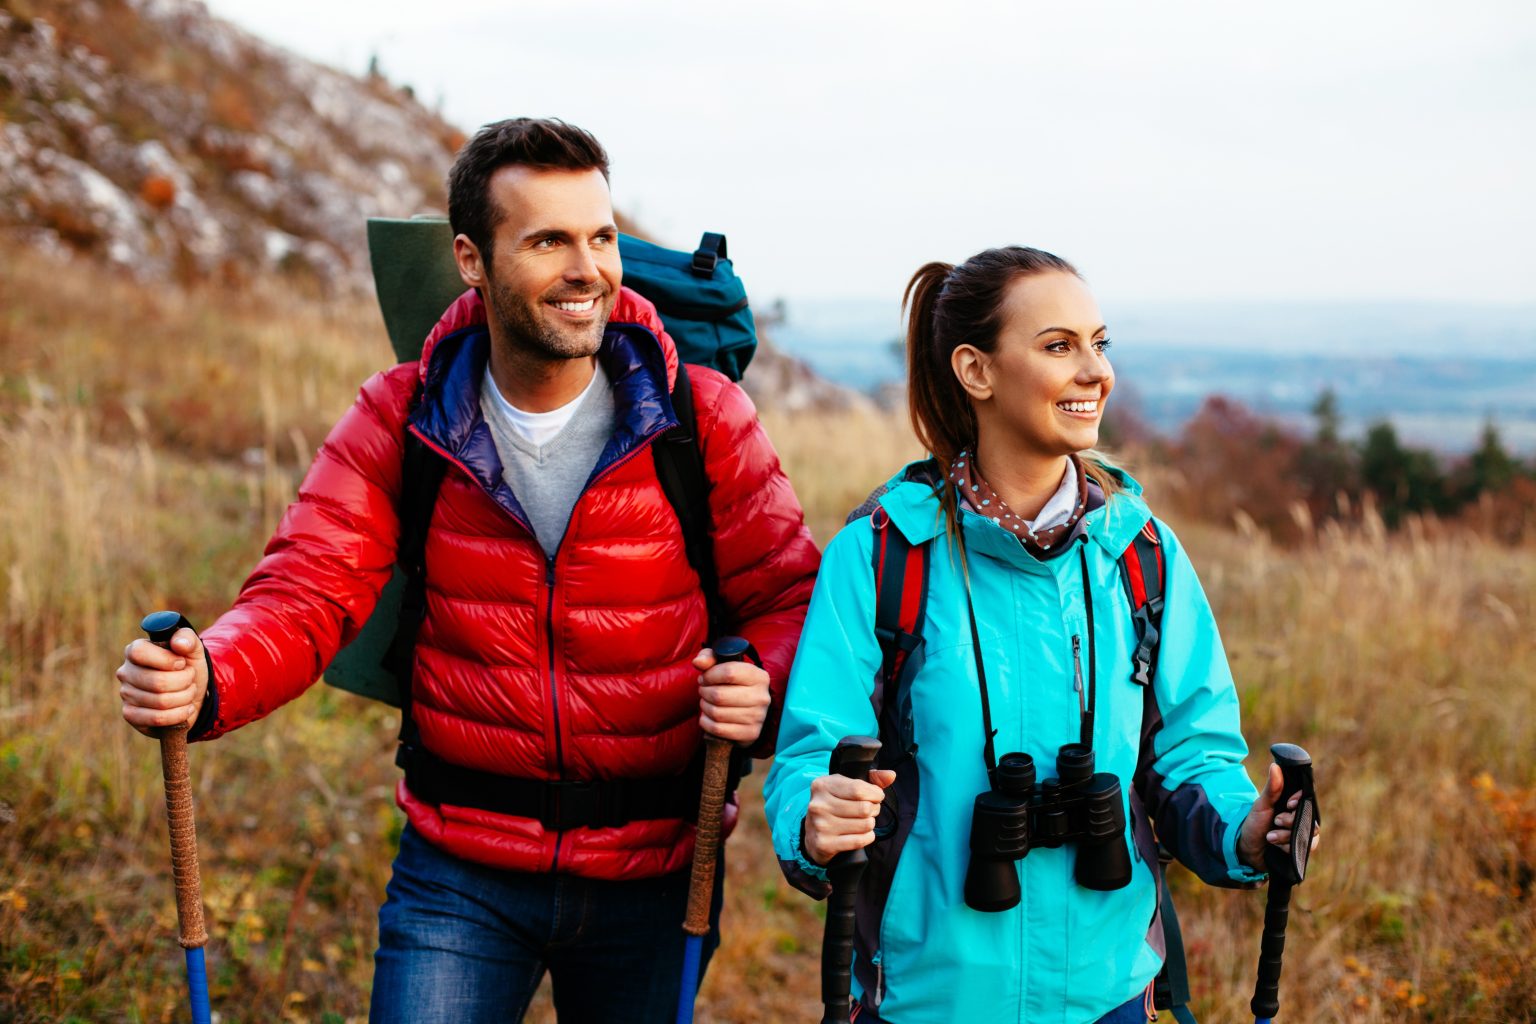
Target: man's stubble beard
{"points": [[521, 325]]}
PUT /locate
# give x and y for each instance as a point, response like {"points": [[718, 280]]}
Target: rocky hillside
{"points": [[157, 138], [173, 144]]}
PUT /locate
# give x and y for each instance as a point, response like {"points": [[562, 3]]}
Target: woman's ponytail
{"points": [[934, 395]]}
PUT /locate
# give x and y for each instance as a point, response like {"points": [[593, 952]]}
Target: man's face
{"points": [[554, 274]]}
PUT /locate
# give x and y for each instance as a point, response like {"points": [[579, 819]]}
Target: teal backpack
{"points": [[704, 307]]}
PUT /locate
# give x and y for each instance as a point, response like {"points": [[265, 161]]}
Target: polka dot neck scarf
{"points": [[979, 496]]}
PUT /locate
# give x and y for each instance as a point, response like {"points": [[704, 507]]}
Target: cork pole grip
{"points": [[161, 626], [706, 850], [178, 812], [717, 771]]}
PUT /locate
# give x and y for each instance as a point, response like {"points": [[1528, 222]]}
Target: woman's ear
{"points": [[973, 369]]}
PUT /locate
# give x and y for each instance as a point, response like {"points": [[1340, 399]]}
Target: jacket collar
{"points": [[913, 504], [448, 417]]}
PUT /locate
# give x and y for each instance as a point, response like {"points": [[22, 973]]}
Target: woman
{"points": [[1026, 527]]}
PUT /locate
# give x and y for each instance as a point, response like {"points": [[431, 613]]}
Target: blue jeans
{"points": [[1133, 1012], [460, 943]]}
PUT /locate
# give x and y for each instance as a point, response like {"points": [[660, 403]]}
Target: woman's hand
{"points": [[1264, 825], [841, 815]]}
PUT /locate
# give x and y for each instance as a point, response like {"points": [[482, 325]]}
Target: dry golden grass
{"points": [[147, 444]]}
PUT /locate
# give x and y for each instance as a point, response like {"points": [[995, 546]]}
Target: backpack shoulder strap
{"points": [[1141, 569], [680, 468], [421, 478], [901, 608], [901, 594]]}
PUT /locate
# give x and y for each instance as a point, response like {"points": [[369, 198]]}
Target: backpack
{"points": [[712, 325], [901, 598]]}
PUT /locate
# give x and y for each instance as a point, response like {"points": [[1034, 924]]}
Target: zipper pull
{"points": [[549, 571], [1077, 673]]}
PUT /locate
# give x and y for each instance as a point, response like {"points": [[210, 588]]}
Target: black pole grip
{"points": [[853, 758], [1287, 867], [1296, 769], [1277, 912]]}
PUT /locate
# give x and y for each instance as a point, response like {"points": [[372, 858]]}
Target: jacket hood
{"points": [[912, 501], [468, 310]]}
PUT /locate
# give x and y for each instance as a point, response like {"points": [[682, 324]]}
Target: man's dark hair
{"points": [[545, 143]]}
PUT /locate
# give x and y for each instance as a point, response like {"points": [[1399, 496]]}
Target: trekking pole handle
{"points": [[717, 770], [1287, 869], [1296, 771], [853, 757], [160, 627]]}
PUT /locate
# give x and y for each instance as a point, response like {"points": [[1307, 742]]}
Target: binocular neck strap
{"points": [[1086, 715], [989, 751]]}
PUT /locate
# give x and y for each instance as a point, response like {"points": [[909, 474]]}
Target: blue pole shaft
{"points": [[197, 985], [692, 948]]}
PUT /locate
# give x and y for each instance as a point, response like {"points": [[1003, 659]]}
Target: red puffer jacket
{"points": [[574, 667]]}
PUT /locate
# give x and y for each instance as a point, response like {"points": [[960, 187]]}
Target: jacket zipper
{"points": [[1077, 676], [554, 696], [549, 581], [549, 620], [875, 961]]}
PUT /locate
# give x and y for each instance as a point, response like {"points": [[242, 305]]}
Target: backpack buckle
{"points": [[1142, 658], [577, 804], [708, 255]]}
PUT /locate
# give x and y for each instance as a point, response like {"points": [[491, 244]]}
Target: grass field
{"points": [[149, 442]]}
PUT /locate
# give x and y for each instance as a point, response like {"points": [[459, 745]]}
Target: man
{"points": [[561, 672]]}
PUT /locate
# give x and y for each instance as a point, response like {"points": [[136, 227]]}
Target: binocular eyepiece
{"points": [[1017, 814]]}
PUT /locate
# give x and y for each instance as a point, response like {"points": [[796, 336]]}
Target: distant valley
{"points": [[1439, 372]]}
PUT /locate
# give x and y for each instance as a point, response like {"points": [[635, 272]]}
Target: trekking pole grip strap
{"points": [[161, 626]]}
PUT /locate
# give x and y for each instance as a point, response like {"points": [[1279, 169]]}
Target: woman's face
{"points": [[1045, 384]]}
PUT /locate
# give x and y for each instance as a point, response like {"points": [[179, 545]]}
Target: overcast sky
{"points": [[1180, 151]]}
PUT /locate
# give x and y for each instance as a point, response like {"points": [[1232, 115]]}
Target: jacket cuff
{"points": [[1237, 871], [209, 712], [799, 870], [803, 860]]}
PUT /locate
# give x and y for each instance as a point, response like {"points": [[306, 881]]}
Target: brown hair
{"points": [[946, 307], [546, 143]]}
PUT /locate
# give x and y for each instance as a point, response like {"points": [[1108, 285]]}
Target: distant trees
{"points": [[1230, 460], [1326, 465]]}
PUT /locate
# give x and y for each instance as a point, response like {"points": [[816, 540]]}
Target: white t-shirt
{"points": [[537, 428]]}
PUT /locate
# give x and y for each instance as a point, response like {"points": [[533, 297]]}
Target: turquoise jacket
{"points": [[1065, 955]]}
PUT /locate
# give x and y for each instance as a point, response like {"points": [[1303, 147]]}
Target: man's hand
{"points": [[841, 815], [733, 699], [1264, 825], [162, 687]]}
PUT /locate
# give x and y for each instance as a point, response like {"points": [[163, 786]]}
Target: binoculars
{"points": [[1016, 815]]}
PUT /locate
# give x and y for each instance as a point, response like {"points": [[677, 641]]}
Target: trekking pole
{"points": [[853, 757], [1287, 868], [161, 626], [706, 847]]}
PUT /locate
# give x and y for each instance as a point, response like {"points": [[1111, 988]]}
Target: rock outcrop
{"points": [[155, 137], [171, 143]]}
